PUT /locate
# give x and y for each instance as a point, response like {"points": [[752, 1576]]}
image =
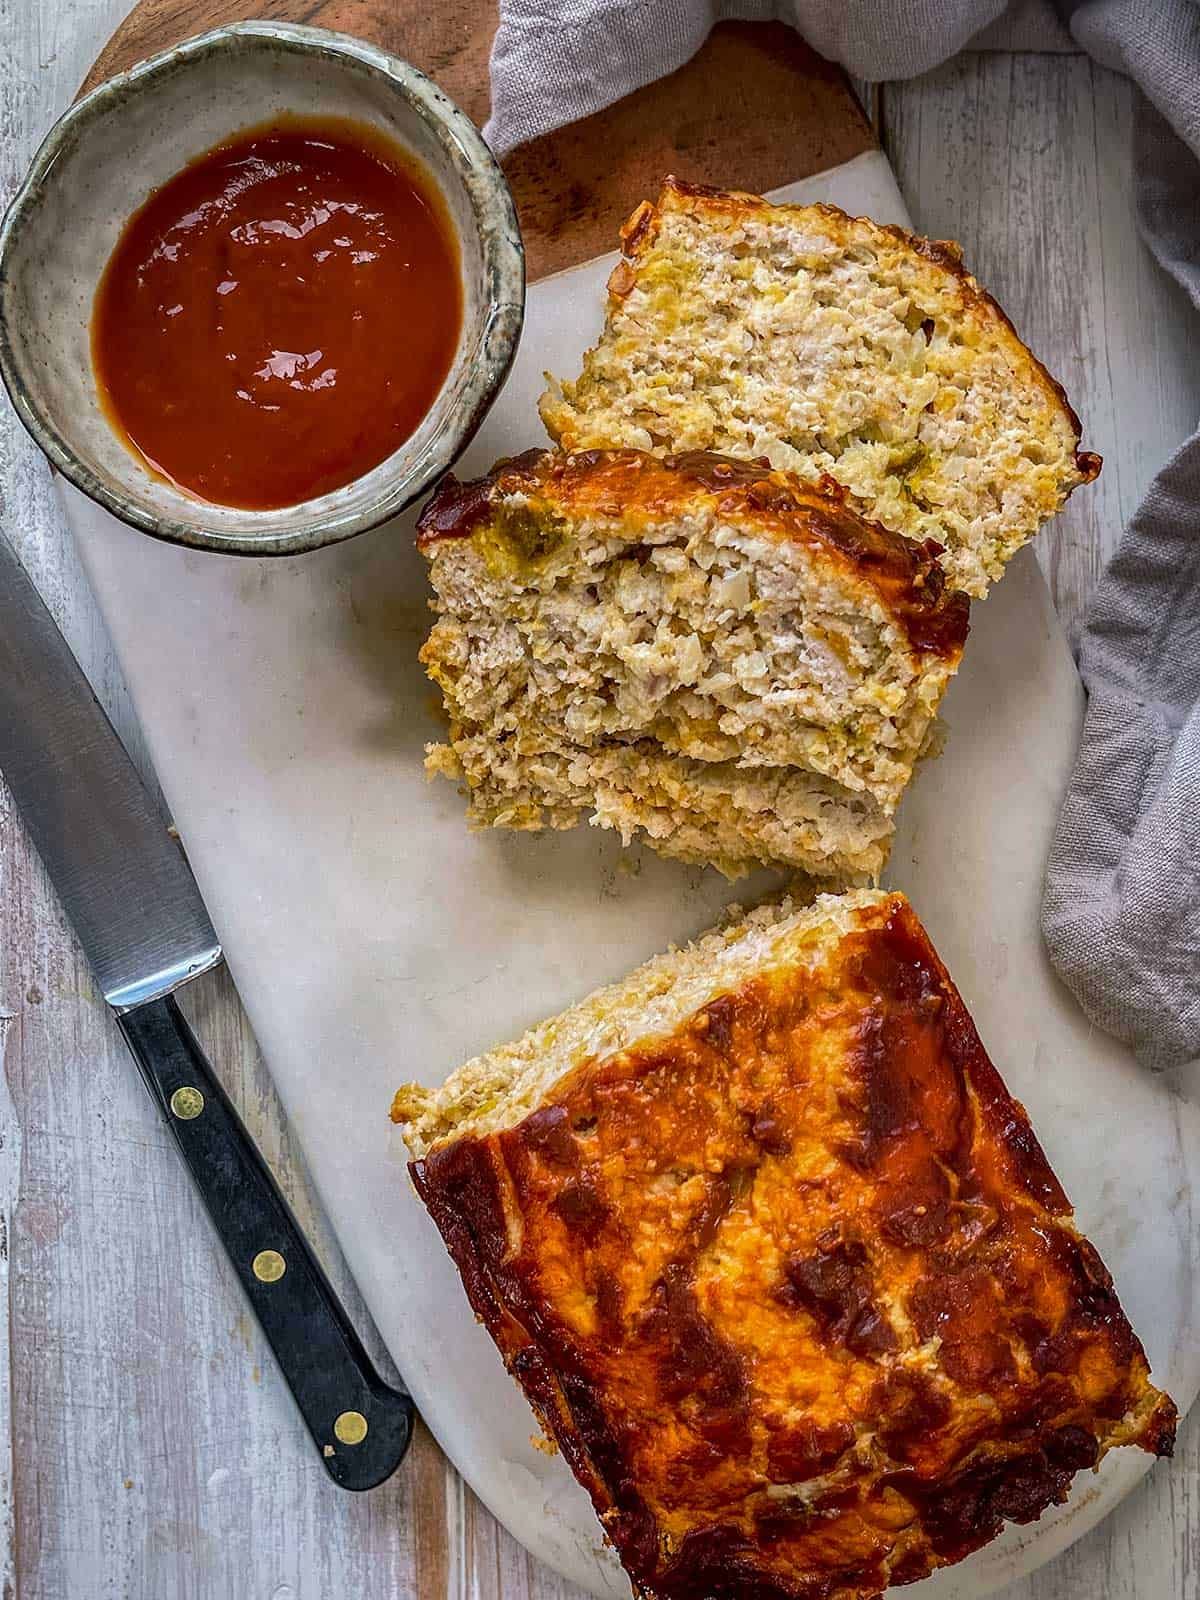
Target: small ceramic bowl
{"points": [[126, 138]]}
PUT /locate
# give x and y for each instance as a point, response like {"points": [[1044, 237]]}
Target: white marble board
{"points": [[372, 938]]}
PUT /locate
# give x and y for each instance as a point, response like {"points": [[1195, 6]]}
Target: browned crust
{"points": [[455, 509], [905, 575], [690, 1344], [640, 230]]}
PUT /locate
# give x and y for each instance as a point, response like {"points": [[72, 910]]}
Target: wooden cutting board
{"points": [[755, 108]]}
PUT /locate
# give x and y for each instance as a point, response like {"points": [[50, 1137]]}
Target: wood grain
{"points": [[155, 1455], [755, 107], [450, 41]]}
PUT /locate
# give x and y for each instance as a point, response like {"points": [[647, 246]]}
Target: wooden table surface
{"points": [[147, 1449]]}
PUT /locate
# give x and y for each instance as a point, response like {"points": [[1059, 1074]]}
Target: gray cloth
{"points": [[555, 61], [1122, 907], [1121, 914]]}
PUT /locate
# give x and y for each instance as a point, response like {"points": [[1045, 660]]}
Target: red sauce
{"points": [[279, 316]]}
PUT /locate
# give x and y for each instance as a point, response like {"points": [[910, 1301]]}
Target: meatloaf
{"points": [[714, 657], [780, 1263], [829, 344]]}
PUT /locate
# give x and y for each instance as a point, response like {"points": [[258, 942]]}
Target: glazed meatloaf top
{"points": [[556, 489], [781, 1264]]}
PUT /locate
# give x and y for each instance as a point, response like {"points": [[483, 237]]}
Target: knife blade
{"points": [[122, 879], [130, 895]]}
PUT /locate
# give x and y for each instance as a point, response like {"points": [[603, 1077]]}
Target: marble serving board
{"points": [[374, 939]]}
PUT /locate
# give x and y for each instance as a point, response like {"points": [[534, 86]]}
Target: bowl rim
{"points": [[490, 357]]}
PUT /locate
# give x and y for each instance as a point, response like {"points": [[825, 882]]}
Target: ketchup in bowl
{"points": [[278, 317]]}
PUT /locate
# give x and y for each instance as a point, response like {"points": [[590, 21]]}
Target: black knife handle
{"points": [[329, 1373]]}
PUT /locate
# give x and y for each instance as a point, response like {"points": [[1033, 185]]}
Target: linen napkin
{"points": [[1121, 913]]}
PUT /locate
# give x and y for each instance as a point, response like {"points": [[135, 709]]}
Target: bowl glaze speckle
{"points": [[125, 139]]}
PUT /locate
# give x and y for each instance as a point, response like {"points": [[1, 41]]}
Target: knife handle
{"points": [[360, 1425]]}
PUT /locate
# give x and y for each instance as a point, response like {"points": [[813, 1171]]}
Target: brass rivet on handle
{"points": [[269, 1266], [187, 1103], [350, 1427]]}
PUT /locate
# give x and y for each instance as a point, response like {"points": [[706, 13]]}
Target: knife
{"points": [[130, 895]]}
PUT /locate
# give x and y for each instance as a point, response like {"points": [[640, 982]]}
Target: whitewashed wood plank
{"points": [[1026, 161], [10, 1173]]}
